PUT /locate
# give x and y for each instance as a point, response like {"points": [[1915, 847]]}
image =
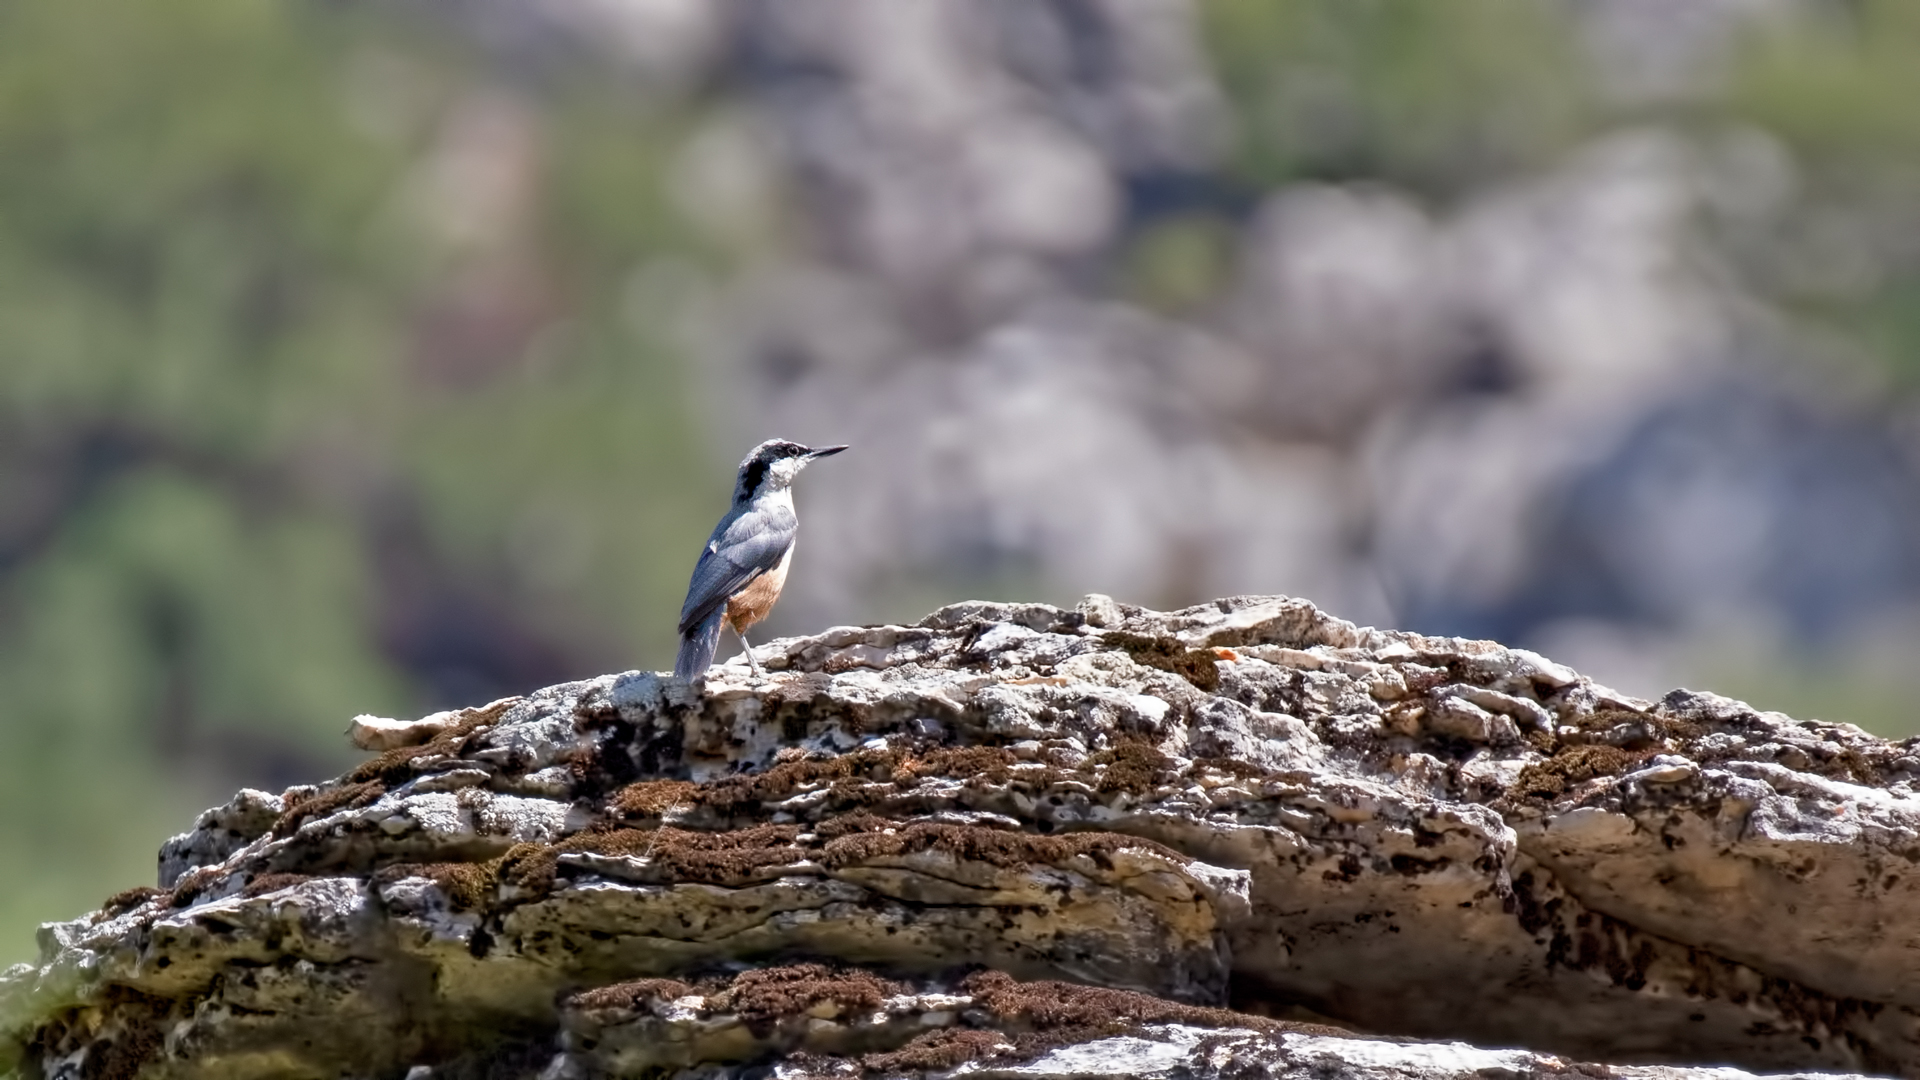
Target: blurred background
{"points": [[364, 357]]}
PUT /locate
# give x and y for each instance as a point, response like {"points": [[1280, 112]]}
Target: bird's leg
{"points": [[748, 649]]}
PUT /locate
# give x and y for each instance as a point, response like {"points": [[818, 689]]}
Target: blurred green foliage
{"points": [[1837, 85], [1434, 97], [1836, 89], [247, 488], [1180, 264]]}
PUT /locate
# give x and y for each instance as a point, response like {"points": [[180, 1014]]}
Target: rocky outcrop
{"points": [[1242, 839]]}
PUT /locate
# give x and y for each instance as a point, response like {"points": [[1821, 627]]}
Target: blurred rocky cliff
{"points": [[385, 357], [1463, 321]]}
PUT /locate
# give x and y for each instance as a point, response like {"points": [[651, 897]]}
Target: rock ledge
{"points": [[1241, 839]]}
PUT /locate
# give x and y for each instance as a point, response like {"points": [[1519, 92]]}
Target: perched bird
{"points": [[740, 573]]}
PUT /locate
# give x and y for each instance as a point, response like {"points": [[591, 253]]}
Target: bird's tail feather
{"points": [[697, 647]]}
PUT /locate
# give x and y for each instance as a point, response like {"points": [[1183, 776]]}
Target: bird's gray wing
{"points": [[741, 549]]}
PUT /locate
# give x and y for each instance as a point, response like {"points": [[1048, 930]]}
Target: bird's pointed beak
{"points": [[824, 451]]}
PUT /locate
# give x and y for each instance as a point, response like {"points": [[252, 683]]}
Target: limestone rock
{"points": [[369, 732], [1022, 840]]}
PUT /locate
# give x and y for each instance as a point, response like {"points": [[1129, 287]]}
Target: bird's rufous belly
{"points": [[751, 604]]}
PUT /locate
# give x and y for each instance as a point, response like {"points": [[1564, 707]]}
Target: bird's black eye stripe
{"points": [[756, 472]]}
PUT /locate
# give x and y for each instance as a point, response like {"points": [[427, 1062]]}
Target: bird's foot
{"points": [[746, 649]]}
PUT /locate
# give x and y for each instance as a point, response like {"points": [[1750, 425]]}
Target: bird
{"points": [[744, 565]]}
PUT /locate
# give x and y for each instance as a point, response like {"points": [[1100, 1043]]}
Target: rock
{"points": [[220, 832], [369, 732], [1024, 840]]}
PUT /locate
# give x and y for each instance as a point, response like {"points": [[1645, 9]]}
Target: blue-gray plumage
{"points": [[744, 565]]}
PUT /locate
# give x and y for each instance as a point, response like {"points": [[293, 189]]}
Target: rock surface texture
{"points": [[1245, 839]]}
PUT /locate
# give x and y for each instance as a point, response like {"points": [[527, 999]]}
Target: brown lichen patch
{"points": [[1547, 780], [863, 777], [1854, 767], [760, 998], [765, 995], [979, 765], [269, 883], [782, 780], [467, 886], [1094, 1011], [127, 899], [1234, 767], [394, 767], [530, 867], [347, 796], [1644, 728], [1028, 1019], [728, 858], [1421, 683], [1683, 731], [868, 778], [366, 783], [994, 847], [940, 1050], [1131, 766], [191, 884], [723, 858], [860, 821], [1010, 1021], [633, 996], [1168, 654], [741, 856], [858, 782], [651, 798]]}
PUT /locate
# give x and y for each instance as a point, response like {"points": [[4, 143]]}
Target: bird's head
{"points": [[772, 466]]}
